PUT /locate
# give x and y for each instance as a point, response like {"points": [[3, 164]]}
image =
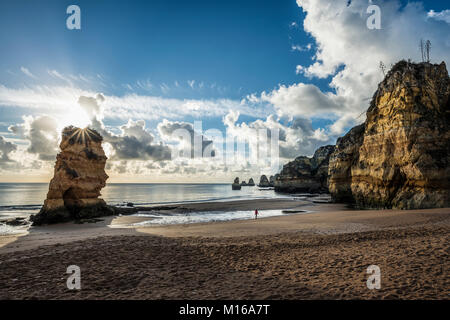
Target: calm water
{"points": [[23, 199]]}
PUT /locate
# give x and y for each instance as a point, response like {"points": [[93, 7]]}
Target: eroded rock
{"points": [[305, 174], [236, 185], [400, 156], [79, 176], [264, 182]]}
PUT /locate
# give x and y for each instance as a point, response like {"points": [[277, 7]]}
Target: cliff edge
{"points": [[400, 156]]}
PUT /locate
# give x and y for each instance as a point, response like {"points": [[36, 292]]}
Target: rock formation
{"points": [[236, 185], [305, 174], [272, 181], [244, 184], [400, 156], [264, 182], [341, 161], [251, 183], [78, 178]]}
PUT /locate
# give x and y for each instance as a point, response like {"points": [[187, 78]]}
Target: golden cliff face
{"points": [[78, 178], [400, 156]]}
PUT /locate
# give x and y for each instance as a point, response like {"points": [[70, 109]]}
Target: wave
{"points": [[218, 199], [21, 207]]}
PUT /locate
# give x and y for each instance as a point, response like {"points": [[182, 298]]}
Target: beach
{"points": [[322, 253]]}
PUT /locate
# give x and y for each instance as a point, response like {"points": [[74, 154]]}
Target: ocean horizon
{"points": [[24, 199]]}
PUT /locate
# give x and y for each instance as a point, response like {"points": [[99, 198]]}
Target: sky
{"points": [[139, 71]]}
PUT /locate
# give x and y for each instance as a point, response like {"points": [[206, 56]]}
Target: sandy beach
{"points": [[321, 254]]}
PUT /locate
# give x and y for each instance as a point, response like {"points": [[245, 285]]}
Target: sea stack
{"points": [[236, 185], [272, 181], [400, 156], [306, 174], [78, 178], [264, 182], [251, 183]]}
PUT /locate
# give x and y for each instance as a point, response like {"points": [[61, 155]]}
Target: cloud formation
{"points": [[91, 105], [133, 143], [187, 138], [27, 72], [41, 134], [58, 100], [350, 53], [6, 148], [295, 138], [442, 15]]}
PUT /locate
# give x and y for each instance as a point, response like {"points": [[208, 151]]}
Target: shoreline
{"points": [[319, 218], [319, 255]]}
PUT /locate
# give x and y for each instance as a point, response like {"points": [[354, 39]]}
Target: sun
{"points": [[74, 117]]}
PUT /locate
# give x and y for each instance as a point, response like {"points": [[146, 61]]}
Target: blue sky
{"points": [[212, 54], [241, 46]]}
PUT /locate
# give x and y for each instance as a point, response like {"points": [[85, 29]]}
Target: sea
{"points": [[25, 199]]}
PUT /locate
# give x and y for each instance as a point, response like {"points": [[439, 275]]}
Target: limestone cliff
{"points": [[305, 174], [79, 176], [400, 156]]}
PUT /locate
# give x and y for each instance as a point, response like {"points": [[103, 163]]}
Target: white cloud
{"points": [[164, 88], [5, 149], [61, 100], [92, 105], [442, 15], [295, 138], [145, 85], [350, 53], [27, 72], [56, 74], [303, 100], [187, 138], [42, 134], [300, 48]]}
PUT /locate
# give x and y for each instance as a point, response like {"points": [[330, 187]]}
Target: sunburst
{"points": [[83, 136]]}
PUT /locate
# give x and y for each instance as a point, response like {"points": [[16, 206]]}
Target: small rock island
{"points": [[78, 178]]}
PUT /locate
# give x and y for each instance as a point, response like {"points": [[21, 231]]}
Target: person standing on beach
{"points": [[256, 214]]}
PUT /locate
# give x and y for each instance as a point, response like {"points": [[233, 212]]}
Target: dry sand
{"points": [[321, 255]]}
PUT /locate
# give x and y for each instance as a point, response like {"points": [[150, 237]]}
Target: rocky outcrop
{"points": [[236, 185], [400, 156], [244, 184], [346, 155], [251, 183], [79, 176], [272, 181], [305, 174], [264, 182]]}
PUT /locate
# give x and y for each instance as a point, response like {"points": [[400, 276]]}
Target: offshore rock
{"points": [[79, 176], [272, 181], [264, 182], [236, 185], [251, 183], [305, 174], [400, 156]]}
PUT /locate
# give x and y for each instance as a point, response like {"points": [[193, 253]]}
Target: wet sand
{"points": [[318, 255]]}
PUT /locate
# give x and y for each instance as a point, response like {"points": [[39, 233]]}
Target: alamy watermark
{"points": [[74, 20], [257, 147], [74, 280], [374, 20], [374, 280]]}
